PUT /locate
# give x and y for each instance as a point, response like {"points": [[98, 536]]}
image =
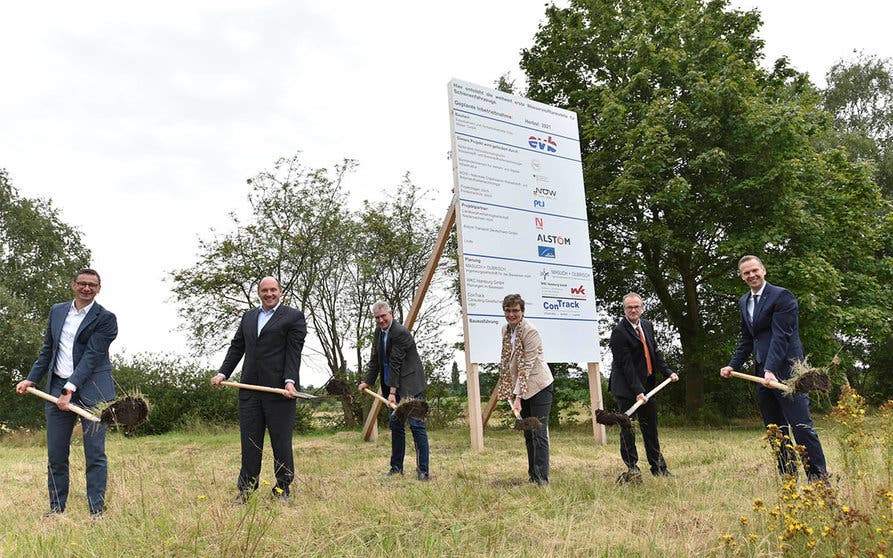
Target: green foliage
{"points": [[694, 156], [860, 96], [39, 255], [181, 394]]}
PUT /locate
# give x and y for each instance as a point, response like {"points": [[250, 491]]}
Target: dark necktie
{"points": [[753, 311]]}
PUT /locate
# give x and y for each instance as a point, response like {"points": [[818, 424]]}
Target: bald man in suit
{"points": [[271, 339]]}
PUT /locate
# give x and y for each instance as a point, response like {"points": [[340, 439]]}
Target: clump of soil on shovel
{"points": [[338, 387], [608, 418], [412, 408], [529, 423], [807, 380], [128, 412]]}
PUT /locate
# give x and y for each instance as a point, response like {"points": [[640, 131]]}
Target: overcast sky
{"points": [[142, 121]]}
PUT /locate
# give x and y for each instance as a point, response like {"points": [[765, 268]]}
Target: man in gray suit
{"points": [[395, 360], [75, 360]]}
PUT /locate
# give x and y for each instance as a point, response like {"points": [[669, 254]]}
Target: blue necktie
{"points": [[384, 355]]}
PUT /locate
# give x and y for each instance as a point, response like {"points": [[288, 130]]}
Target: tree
{"points": [[39, 255], [693, 156], [294, 213], [331, 262], [396, 241], [860, 96]]}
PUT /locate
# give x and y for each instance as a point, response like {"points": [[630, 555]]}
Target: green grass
{"points": [[171, 495]]}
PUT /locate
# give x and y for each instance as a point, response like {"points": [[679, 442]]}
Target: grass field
{"points": [[172, 495]]}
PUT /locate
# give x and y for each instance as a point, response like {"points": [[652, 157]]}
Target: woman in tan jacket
{"points": [[526, 381]]}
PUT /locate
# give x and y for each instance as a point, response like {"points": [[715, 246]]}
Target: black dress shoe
{"points": [[393, 472], [423, 476], [632, 476], [281, 496], [662, 473], [52, 513]]}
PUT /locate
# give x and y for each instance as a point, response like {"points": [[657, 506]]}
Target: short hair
{"points": [[261, 280], [749, 257], [87, 271], [513, 300], [630, 295], [379, 305]]}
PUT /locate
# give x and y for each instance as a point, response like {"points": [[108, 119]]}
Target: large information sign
{"points": [[522, 224]]}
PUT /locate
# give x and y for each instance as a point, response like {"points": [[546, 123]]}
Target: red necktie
{"points": [[645, 346]]}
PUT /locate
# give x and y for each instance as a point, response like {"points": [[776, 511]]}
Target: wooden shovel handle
{"points": [[378, 396], [512, 407], [71, 407], [280, 391], [757, 379], [637, 404]]}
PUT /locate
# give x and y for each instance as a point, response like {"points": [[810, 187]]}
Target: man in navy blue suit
{"points": [[770, 331], [271, 339], [75, 360]]}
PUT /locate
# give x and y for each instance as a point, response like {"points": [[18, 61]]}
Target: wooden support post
{"points": [[370, 428], [491, 404], [475, 426], [596, 402]]}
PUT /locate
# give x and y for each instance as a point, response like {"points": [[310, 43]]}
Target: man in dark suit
{"points": [[770, 330], [635, 361], [75, 360], [271, 339], [395, 360]]}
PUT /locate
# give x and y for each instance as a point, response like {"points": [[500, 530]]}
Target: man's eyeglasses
{"points": [[85, 284]]}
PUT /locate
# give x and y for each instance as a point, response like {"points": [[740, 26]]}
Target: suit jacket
{"points": [[539, 376], [629, 369], [90, 354], [405, 369], [774, 335], [271, 357]]}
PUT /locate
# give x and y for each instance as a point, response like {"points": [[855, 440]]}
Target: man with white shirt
{"points": [[636, 361], [271, 339], [75, 359], [770, 331]]}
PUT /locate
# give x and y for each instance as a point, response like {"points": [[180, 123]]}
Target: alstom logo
{"points": [[548, 145], [553, 239]]}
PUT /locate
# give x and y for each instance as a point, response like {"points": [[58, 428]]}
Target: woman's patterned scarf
{"points": [[506, 386]]}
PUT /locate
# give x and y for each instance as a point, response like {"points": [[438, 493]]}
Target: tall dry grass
{"points": [[172, 495]]}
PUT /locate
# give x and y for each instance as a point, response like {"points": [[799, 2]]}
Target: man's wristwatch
{"points": [[66, 391]]}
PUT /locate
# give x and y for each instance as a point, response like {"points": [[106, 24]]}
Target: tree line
{"points": [[693, 155]]}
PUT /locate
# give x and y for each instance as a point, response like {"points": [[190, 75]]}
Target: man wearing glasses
{"points": [[395, 360], [75, 360], [636, 361]]}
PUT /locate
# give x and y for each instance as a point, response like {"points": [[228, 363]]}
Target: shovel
{"points": [[529, 423], [71, 406], [412, 408], [127, 411], [805, 382], [608, 418], [280, 391]]}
